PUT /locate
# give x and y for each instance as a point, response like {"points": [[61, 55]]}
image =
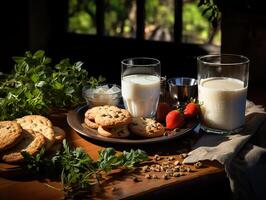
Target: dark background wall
{"points": [[32, 25]]}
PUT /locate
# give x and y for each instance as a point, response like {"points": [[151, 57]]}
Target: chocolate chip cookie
{"points": [[112, 117], [118, 132], [35, 118], [10, 134], [31, 142], [146, 127], [36, 126]]}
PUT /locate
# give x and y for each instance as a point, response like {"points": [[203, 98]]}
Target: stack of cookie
{"points": [[29, 133], [111, 121]]}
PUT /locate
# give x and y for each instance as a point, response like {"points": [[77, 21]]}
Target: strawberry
{"points": [[191, 110], [162, 110], [174, 119]]}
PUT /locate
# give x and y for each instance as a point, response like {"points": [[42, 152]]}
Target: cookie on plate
{"points": [[10, 134], [35, 118], [112, 117], [92, 112], [36, 126], [31, 142], [117, 132], [146, 127], [90, 123]]}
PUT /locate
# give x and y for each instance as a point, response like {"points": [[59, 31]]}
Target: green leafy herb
{"points": [[211, 11], [78, 170], [35, 86]]}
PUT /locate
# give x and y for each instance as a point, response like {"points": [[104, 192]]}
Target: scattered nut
{"points": [[169, 171], [148, 176], [176, 174], [145, 168], [198, 165], [182, 169], [188, 169], [156, 157], [154, 176], [171, 158], [177, 162], [176, 169], [165, 177]]}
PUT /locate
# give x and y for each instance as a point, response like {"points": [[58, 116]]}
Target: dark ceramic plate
{"points": [[75, 119]]}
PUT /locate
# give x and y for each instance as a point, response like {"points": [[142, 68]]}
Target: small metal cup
{"points": [[182, 89]]}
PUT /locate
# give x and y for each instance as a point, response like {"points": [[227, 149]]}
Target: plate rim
{"points": [[92, 133]]}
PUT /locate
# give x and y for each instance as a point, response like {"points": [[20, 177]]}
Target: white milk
{"points": [[140, 94], [224, 101]]}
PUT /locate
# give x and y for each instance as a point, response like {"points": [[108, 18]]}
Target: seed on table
{"points": [[176, 169], [177, 162], [176, 174], [183, 155], [165, 163], [169, 171], [171, 158], [198, 165], [165, 177], [148, 176], [182, 169], [156, 157], [154, 176], [145, 168], [188, 169]]}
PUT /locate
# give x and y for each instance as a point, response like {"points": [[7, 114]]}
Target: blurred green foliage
{"points": [[120, 20], [197, 27], [82, 16], [159, 21]]}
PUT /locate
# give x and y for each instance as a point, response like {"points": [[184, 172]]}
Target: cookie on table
{"points": [[146, 127], [31, 142], [59, 133], [35, 118], [10, 134], [36, 126], [112, 117], [118, 132]]}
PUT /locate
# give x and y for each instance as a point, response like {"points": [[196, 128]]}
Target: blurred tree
{"points": [[120, 19]]}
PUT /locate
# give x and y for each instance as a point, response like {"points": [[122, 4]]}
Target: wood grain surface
{"points": [[118, 185]]}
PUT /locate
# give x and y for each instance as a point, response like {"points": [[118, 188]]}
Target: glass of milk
{"points": [[140, 81], [222, 91]]}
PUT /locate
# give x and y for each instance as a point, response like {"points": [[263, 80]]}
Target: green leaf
{"points": [[38, 54], [57, 85], [34, 78]]}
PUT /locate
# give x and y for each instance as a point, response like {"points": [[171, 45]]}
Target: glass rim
{"points": [[156, 61], [170, 80], [245, 59]]}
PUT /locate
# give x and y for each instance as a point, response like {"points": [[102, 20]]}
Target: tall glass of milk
{"points": [[140, 81], [222, 91]]}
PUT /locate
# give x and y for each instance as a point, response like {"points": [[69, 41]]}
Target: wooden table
{"points": [[199, 183]]}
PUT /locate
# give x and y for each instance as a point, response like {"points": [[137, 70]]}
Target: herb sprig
{"points": [[35, 86], [78, 170]]}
